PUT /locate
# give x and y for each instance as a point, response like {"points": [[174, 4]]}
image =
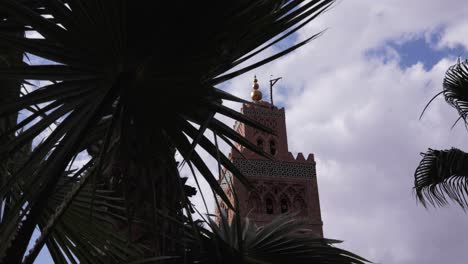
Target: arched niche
{"points": [[269, 204], [260, 142], [300, 206], [284, 204], [273, 146]]}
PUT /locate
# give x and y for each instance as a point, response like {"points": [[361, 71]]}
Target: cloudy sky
{"points": [[353, 98]]}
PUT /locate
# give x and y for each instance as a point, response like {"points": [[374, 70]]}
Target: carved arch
{"points": [[276, 189], [284, 204], [300, 206], [269, 204], [260, 142], [273, 146], [291, 192]]}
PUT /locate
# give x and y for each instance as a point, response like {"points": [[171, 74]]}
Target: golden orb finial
{"points": [[256, 95]]}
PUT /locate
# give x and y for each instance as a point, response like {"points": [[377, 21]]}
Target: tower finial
{"points": [[256, 95]]}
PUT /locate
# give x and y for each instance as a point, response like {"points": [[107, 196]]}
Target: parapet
{"points": [[300, 158]]}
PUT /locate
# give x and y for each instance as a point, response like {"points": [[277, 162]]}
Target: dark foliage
{"points": [[443, 174], [130, 83]]}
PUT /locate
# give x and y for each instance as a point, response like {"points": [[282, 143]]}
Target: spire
{"points": [[256, 95]]}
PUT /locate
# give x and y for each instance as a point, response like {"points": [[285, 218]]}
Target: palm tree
{"points": [[129, 83], [442, 175]]}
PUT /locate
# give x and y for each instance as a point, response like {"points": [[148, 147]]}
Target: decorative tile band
{"points": [[263, 112], [275, 168]]}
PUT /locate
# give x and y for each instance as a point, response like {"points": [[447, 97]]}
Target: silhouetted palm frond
{"points": [[89, 224], [456, 88], [285, 240], [129, 82], [442, 175]]}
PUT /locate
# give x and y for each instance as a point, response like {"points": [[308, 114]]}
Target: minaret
{"points": [[284, 184]]}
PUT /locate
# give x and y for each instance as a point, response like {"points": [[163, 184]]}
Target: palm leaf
{"points": [[284, 240], [104, 65], [456, 88], [442, 175]]}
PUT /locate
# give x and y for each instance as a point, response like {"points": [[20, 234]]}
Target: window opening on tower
{"points": [[284, 206], [269, 206], [260, 143], [272, 147]]}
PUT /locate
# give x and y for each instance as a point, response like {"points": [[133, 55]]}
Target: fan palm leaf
{"points": [[456, 88], [442, 175], [284, 240], [90, 219], [123, 78]]}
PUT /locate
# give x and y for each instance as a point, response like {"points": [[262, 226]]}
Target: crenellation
{"points": [[300, 157]]}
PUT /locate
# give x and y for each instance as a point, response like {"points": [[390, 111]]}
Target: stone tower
{"points": [[284, 184]]}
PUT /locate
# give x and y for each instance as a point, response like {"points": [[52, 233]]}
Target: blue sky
{"points": [[418, 48], [353, 98]]}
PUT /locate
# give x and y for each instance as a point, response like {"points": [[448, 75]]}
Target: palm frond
{"points": [[456, 88], [131, 74], [285, 240], [442, 175], [93, 222]]}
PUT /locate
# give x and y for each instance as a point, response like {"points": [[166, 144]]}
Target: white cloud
{"points": [[456, 34], [360, 117]]}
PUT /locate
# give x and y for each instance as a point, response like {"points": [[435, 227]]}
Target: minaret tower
{"points": [[284, 184]]}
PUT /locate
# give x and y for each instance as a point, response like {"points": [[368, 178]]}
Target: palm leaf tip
{"points": [[455, 87], [442, 175]]}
